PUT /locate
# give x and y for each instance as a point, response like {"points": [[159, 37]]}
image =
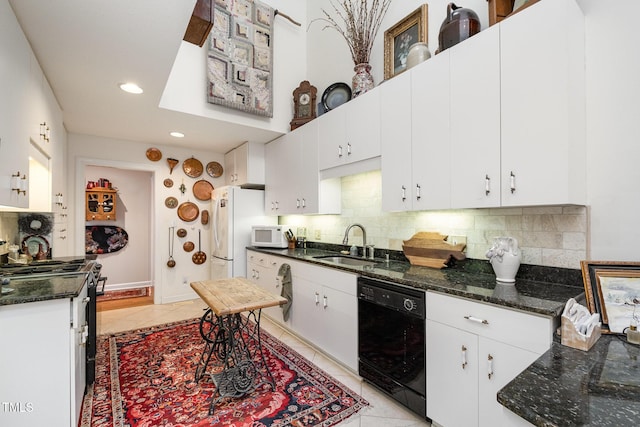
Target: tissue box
{"points": [[572, 338]]}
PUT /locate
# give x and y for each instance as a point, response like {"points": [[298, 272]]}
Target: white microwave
{"points": [[268, 236]]}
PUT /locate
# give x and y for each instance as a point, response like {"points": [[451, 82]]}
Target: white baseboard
{"points": [[126, 286]]}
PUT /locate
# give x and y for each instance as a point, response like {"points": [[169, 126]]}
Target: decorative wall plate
{"points": [[188, 246], [192, 167], [168, 183], [103, 239], [154, 154], [214, 169], [188, 211], [32, 244], [202, 190], [171, 202], [181, 232], [204, 217], [336, 95]]}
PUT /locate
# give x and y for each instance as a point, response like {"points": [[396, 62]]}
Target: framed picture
{"points": [[399, 38], [612, 289]]}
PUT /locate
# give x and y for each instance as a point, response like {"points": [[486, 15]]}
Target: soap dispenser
{"points": [[353, 250]]}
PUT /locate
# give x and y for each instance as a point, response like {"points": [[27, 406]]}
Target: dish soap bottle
{"points": [[353, 250]]}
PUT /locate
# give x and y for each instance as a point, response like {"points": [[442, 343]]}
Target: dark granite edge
{"points": [[395, 271], [23, 300]]}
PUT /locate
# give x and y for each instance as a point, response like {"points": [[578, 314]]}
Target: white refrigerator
{"points": [[234, 210]]}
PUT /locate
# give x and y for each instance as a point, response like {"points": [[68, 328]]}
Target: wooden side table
{"points": [[231, 337]]}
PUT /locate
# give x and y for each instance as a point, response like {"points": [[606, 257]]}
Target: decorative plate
{"points": [[188, 246], [103, 239], [171, 202], [204, 217], [181, 232], [214, 169], [336, 95], [168, 183], [32, 244], [154, 154], [202, 190], [188, 211], [192, 167], [35, 224]]}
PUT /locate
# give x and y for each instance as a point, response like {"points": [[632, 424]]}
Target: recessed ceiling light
{"points": [[131, 88], [177, 134]]}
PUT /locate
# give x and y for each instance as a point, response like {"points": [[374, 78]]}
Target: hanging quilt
{"points": [[240, 56]]}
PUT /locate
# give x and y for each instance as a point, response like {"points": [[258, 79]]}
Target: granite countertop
{"points": [[27, 289], [539, 290], [569, 387]]}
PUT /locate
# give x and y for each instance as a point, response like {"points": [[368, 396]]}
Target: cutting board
{"points": [[430, 249]]}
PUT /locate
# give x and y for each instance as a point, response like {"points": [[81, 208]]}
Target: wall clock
{"points": [[304, 102]]}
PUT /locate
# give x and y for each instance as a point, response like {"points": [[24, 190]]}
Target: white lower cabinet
{"points": [[262, 269], [325, 310], [473, 350]]}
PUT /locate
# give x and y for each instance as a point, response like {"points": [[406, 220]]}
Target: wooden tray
{"points": [[429, 249]]}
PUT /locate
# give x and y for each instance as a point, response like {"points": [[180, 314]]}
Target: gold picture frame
{"points": [[411, 29], [607, 287]]}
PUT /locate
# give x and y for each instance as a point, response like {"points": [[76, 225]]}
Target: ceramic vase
{"points": [[418, 52], [505, 257], [362, 81]]}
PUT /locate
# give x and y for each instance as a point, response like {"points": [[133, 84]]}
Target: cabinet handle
{"points": [[348, 148], [464, 356], [418, 192], [477, 320], [277, 205], [339, 150], [273, 263], [404, 193], [304, 203], [86, 299], [317, 298], [257, 275], [297, 203], [324, 301], [512, 182], [489, 366], [487, 185]]}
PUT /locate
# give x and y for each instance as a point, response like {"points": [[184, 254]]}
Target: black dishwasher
{"points": [[391, 341]]}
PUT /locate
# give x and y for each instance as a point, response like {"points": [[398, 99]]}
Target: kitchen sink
{"points": [[347, 260]]}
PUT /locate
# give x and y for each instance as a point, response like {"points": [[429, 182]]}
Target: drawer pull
{"points": [[464, 356], [489, 366], [317, 298], [475, 319]]}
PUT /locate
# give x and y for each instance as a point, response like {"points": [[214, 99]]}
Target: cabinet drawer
{"points": [[325, 276], [261, 259], [519, 329]]}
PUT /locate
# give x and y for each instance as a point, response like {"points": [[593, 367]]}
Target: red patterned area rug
{"points": [[145, 378]]}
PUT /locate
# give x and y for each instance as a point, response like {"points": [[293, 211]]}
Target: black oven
{"points": [[391, 341]]}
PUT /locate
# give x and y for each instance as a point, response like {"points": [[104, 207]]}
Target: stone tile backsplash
{"points": [[554, 236]]}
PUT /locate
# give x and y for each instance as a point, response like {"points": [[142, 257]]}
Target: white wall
{"points": [[186, 87], [130, 267], [169, 284], [613, 134]]}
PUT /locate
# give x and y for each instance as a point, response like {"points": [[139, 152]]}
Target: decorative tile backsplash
{"points": [[554, 236]]}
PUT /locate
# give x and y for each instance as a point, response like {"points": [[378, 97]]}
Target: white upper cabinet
{"points": [[14, 132], [350, 133], [415, 138], [245, 165], [293, 184], [543, 105], [475, 121]]}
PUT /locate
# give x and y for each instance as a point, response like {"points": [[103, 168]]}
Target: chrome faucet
{"points": [[345, 241]]}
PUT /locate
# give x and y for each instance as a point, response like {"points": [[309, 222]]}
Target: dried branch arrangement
{"points": [[358, 22]]}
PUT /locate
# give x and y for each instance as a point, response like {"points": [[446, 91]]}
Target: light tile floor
{"points": [[381, 412]]}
